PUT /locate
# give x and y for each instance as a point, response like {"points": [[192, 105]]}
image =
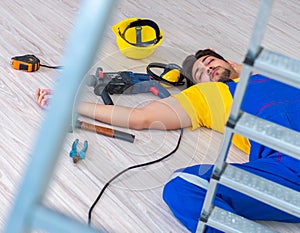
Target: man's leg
{"points": [[185, 193]]}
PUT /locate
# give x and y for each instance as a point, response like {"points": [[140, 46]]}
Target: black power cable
{"points": [[130, 168], [52, 67]]}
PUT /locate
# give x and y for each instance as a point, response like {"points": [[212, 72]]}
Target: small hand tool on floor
{"points": [[75, 155], [104, 131], [29, 63]]}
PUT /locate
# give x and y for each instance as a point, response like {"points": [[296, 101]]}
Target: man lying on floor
{"points": [[208, 104]]}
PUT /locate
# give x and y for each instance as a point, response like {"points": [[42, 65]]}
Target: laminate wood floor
{"points": [[133, 202]]}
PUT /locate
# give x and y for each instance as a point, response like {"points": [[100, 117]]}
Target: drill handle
{"points": [[158, 89], [106, 98]]}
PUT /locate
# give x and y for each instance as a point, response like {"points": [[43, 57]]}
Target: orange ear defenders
{"points": [[170, 75]]}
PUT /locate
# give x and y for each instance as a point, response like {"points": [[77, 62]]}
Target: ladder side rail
{"points": [[239, 93], [217, 170], [79, 55], [254, 48], [259, 28], [207, 205]]}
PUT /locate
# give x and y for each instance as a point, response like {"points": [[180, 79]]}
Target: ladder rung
{"points": [[279, 67], [262, 189], [229, 222], [270, 134]]}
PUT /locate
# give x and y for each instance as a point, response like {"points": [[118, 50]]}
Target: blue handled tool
{"points": [[75, 155]]}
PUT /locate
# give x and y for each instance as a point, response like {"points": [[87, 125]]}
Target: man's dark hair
{"points": [[209, 52]]}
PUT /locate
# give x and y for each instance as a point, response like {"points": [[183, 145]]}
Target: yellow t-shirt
{"points": [[208, 105]]}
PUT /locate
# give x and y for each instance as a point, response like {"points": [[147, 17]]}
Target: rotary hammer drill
{"points": [[123, 82]]}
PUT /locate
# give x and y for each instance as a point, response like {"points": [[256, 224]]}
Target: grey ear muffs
{"points": [[164, 76]]}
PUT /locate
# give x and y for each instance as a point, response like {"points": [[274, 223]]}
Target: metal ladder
{"points": [[28, 212], [280, 68]]}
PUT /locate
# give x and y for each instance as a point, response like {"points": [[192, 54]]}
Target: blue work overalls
{"points": [[186, 189]]}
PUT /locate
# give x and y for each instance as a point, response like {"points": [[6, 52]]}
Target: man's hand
{"points": [[41, 97]]}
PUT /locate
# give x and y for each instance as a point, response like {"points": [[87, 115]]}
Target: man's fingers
{"points": [[37, 94], [40, 96]]}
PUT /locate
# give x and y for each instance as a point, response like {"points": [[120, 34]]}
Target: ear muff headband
{"points": [[168, 70], [138, 24]]}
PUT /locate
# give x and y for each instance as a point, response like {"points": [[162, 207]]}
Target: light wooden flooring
{"points": [[133, 202]]}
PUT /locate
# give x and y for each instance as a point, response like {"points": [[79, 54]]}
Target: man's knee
{"points": [[185, 193]]}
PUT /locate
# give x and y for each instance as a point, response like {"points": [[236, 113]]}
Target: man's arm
{"points": [[165, 114]]}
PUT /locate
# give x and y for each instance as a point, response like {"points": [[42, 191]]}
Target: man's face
{"points": [[211, 69]]}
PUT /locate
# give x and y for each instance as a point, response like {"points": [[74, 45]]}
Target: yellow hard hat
{"points": [[137, 38]]}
